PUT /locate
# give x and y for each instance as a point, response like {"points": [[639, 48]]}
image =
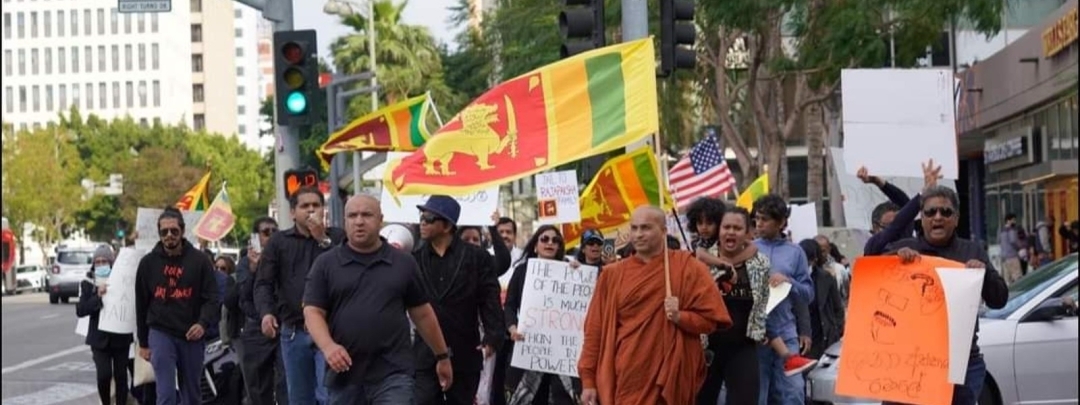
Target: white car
{"points": [[30, 278], [1030, 346]]}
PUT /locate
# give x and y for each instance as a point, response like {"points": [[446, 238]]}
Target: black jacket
{"points": [[172, 293], [282, 274], [994, 290], [828, 308], [90, 305], [471, 295]]}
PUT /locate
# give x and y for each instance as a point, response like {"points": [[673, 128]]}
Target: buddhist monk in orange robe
{"points": [[641, 347]]}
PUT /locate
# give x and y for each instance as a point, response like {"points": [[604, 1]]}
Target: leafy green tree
{"points": [[41, 181]]}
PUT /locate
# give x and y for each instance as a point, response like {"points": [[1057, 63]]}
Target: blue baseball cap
{"points": [[592, 235]]}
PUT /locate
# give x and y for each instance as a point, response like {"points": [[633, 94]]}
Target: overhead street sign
{"points": [[145, 6]]}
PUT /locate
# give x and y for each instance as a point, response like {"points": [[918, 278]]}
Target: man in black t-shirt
{"points": [[355, 302]]}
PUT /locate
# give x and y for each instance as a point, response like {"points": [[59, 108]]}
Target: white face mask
{"points": [[102, 271]]}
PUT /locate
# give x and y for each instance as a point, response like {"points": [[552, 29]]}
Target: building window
{"points": [[239, 90], [61, 60], [238, 32], [116, 95], [8, 62], [89, 96], [74, 17], [154, 54], [241, 109], [197, 93], [238, 13], [9, 97], [144, 123], [239, 52], [142, 57], [22, 98], [116, 58], [89, 58], [48, 61], [127, 58], [129, 90], [101, 21], [115, 22], [157, 93], [60, 24], [196, 6], [86, 22], [142, 23], [239, 71], [37, 98], [200, 122], [74, 59], [7, 25], [142, 93], [33, 24], [62, 99], [103, 99], [127, 23], [21, 20], [196, 33], [22, 62], [102, 59], [154, 23], [34, 61], [47, 20], [196, 63], [242, 130], [48, 97]]}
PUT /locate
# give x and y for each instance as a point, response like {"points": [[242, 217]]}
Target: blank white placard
{"points": [[894, 119]]}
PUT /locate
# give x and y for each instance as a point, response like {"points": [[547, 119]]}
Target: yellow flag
{"points": [[196, 199], [757, 189]]}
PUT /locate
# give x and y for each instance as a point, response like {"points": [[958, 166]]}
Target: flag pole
{"points": [[435, 109], [662, 162]]}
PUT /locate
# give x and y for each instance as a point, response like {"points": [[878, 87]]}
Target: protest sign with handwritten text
{"points": [[552, 316], [146, 227], [557, 198], [118, 303]]}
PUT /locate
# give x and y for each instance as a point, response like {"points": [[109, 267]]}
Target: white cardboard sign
{"points": [[557, 196], [554, 304], [118, 303]]}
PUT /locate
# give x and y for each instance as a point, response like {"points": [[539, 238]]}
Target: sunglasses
{"points": [[945, 212], [429, 219], [222, 269], [550, 239], [594, 242], [267, 231], [163, 232]]}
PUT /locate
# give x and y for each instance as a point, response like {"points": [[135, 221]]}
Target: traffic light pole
{"points": [[335, 106]]}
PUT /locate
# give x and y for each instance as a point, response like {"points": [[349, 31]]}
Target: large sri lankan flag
{"points": [[397, 127], [578, 107], [622, 184]]}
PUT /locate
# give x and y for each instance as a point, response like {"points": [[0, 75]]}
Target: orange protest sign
{"points": [[896, 339]]}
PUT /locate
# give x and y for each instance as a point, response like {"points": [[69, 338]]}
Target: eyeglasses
{"points": [[163, 232], [429, 219], [222, 269], [945, 212], [267, 231], [550, 239]]}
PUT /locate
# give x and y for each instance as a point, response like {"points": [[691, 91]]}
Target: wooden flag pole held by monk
{"points": [[660, 189]]}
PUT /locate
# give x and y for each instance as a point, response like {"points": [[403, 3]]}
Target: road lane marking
{"points": [[53, 395], [50, 316], [44, 359]]}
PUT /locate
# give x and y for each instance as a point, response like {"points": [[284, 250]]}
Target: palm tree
{"points": [[407, 59]]}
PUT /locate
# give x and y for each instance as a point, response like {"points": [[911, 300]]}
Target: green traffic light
{"points": [[296, 102]]}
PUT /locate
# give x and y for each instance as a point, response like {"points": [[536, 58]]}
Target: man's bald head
{"points": [[649, 213], [364, 200], [648, 231], [363, 220]]}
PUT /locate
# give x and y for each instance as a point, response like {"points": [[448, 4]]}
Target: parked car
{"points": [[1030, 346], [30, 278], [72, 264]]}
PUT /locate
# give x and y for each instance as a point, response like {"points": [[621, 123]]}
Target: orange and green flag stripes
{"points": [[759, 188], [398, 127], [586, 105], [622, 184], [196, 199]]}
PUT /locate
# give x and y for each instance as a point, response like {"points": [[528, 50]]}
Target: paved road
{"points": [[44, 361]]}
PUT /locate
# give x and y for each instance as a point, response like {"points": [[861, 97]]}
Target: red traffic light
{"points": [[293, 53]]}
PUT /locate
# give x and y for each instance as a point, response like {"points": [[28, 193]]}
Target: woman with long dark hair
{"points": [[742, 274], [532, 387]]}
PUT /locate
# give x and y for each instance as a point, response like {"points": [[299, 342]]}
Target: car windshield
{"points": [[1033, 284], [75, 257]]}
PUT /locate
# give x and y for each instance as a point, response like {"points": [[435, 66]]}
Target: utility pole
{"points": [[335, 105]]}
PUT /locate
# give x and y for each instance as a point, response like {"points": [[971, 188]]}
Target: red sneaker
{"points": [[797, 365]]}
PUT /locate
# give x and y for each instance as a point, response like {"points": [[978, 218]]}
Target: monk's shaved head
{"points": [[649, 213], [648, 231]]}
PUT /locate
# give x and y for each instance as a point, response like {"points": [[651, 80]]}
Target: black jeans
{"points": [[462, 391], [111, 363], [735, 366], [263, 368], [498, 378]]}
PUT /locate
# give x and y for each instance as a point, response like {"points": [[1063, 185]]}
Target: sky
{"points": [[430, 13]]}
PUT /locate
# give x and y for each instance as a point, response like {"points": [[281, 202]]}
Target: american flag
{"points": [[701, 173]]}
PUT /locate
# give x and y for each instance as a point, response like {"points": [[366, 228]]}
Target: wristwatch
{"points": [[445, 356], [325, 242]]}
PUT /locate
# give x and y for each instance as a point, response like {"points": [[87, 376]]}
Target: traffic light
{"points": [[581, 24], [677, 35], [295, 179], [296, 76]]}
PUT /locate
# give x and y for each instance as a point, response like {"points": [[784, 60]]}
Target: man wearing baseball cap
{"points": [[462, 282], [591, 252]]}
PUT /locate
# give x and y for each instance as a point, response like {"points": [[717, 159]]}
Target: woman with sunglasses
{"points": [[110, 350], [532, 387]]}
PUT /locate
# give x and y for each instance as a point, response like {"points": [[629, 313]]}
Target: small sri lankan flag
{"points": [[196, 199], [759, 188], [621, 185], [398, 127], [581, 106]]}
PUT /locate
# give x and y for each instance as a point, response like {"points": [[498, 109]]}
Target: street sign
{"points": [[145, 6]]}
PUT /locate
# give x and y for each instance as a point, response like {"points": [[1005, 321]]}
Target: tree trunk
{"points": [[815, 158]]}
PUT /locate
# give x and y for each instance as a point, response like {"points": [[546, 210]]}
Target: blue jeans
{"points": [[777, 388], [968, 394], [395, 389], [305, 367], [170, 355]]}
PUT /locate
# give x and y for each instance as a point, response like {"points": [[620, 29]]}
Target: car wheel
{"points": [[53, 299], [989, 394], [65, 299]]}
